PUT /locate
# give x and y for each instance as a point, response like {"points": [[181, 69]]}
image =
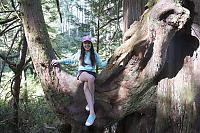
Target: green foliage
{"points": [[80, 19], [35, 115], [51, 16], [6, 116], [65, 46], [6, 4]]}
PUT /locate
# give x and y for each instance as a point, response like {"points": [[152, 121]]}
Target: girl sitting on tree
{"points": [[87, 58]]}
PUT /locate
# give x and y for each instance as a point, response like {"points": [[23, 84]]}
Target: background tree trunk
{"points": [[128, 82], [132, 10], [197, 11], [142, 120], [16, 86]]}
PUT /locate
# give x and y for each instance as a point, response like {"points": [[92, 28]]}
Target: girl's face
{"points": [[87, 45]]}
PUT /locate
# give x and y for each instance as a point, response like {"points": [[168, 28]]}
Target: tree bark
{"points": [[128, 82], [196, 11], [178, 89], [138, 122], [132, 10], [16, 87]]}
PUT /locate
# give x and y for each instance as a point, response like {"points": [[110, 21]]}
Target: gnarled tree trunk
{"points": [[128, 82], [177, 107]]}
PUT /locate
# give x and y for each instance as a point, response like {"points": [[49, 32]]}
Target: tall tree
{"points": [[129, 81], [17, 68], [132, 10]]}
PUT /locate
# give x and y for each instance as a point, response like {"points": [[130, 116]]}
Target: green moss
{"points": [[75, 84], [151, 3], [38, 39], [65, 100], [126, 78]]}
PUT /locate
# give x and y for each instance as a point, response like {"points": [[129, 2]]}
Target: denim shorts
{"points": [[80, 71]]}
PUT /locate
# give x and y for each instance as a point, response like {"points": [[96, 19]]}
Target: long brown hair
{"points": [[92, 56]]}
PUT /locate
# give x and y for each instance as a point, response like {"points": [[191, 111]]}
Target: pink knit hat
{"points": [[86, 38]]}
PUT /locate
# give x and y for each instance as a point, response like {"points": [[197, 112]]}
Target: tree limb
{"points": [[10, 29], [11, 65], [23, 54], [113, 19], [6, 29], [6, 11], [26, 63], [8, 20], [3, 6], [13, 5], [58, 7], [3, 57]]}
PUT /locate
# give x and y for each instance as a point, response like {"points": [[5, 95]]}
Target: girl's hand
{"points": [[54, 62]]}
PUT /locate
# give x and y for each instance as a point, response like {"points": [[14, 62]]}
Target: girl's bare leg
{"points": [[88, 97], [89, 93], [92, 93]]}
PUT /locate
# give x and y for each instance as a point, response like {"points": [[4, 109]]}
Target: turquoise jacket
{"points": [[88, 66]]}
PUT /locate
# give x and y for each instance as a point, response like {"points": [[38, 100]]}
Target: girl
{"points": [[87, 58]]}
